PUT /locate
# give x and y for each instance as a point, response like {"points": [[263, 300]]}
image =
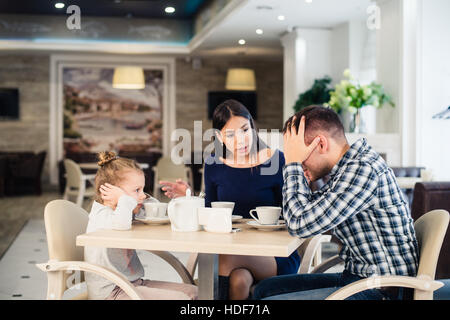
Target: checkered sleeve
{"points": [[308, 214]]}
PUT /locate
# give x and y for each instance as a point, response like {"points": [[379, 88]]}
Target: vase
{"points": [[357, 125]]}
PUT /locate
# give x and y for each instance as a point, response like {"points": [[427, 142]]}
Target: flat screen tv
{"points": [[247, 98], [9, 104]]}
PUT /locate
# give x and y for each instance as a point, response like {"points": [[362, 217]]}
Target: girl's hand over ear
{"points": [[111, 194]]}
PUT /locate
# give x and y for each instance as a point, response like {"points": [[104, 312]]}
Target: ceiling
{"points": [[222, 34], [263, 14], [184, 9]]}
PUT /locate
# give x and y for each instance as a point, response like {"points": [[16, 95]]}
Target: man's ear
{"points": [[324, 144]]}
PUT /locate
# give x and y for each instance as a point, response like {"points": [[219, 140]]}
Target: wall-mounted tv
{"points": [[9, 104], [247, 98]]}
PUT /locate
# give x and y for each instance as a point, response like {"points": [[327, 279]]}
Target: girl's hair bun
{"points": [[105, 157]]}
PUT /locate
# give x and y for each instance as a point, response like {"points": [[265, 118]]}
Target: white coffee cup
{"points": [[222, 204], [155, 210], [266, 215], [215, 219]]}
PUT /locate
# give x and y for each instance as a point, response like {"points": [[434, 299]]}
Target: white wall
{"points": [[358, 38], [318, 54], [434, 67], [388, 63], [307, 56], [340, 39]]}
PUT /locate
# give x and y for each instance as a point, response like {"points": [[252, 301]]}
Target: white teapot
{"points": [[183, 212]]}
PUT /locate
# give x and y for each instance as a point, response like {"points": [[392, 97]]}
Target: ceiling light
{"points": [[308, 1], [264, 8], [59, 5], [259, 31], [240, 79], [242, 42], [128, 77], [281, 18], [170, 10]]}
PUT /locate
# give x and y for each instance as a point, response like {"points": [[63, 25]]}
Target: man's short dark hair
{"points": [[318, 118]]}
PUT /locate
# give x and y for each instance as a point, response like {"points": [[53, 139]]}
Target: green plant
{"points": [[70, 133], [318, 94], [351, 95]]}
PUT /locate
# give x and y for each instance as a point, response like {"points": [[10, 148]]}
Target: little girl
{"points": [[119, 185]]}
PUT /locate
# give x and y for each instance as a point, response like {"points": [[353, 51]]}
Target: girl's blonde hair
{"points": [[111, 170]]}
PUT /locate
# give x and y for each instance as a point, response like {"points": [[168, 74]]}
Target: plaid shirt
{"points": [[364, 207]]}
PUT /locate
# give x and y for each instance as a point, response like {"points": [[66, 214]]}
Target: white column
{"points": [[397, 62], [388, 63], [409, 86], [294, 71], [307, 56]]}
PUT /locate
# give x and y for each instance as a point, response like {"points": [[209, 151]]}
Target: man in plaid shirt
{"points": [[361, 203]]}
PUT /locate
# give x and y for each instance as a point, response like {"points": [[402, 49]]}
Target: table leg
{"points": [[208, 280]]}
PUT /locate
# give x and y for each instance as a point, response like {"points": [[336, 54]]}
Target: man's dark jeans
{"points": [[312, 287]]}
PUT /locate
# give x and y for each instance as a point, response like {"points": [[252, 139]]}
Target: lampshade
{"points": [[240, 79], [128, 77]]}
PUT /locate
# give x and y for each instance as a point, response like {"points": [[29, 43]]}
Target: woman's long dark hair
{"points": [[222, 114]]}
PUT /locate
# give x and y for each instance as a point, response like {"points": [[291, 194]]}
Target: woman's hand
{"points": [[137, 209], [175, 189], [111, 194]]}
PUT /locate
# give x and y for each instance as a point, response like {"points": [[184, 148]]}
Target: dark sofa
{"points": [[20, 173], [430, 196]]}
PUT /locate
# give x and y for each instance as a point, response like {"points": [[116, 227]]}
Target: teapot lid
{"points": [[188, 196]]}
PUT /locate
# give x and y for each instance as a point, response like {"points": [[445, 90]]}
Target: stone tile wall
{"points": [[30, 73], [193, 86]]}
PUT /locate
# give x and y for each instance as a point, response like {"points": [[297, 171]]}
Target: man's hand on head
{"points": [[295, 148]]}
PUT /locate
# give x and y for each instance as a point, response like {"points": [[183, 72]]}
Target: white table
{"points": [[249, 241]]}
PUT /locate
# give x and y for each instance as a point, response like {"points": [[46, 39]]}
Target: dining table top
{"points": [[249, 241]]}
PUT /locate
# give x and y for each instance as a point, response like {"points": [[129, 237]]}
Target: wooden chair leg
{"points": [[80, 196], [66, 193], [317, 260], [56, 285]]}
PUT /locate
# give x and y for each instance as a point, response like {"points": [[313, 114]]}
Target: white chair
{"points": [[310, 252], [430, 232], [64, 221], [165, 169], [76, 182]]}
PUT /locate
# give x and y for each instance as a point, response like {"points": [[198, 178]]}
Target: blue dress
{"points": [[249, 188]]}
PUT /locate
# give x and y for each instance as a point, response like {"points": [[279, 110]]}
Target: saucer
{"points": [[236, 218], [267, 227], [154, 220]]}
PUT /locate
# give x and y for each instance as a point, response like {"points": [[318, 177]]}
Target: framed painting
{"points": [[88, 115]]}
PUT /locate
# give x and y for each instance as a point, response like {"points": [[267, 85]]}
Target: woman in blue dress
{"points": [[247, 172]]}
